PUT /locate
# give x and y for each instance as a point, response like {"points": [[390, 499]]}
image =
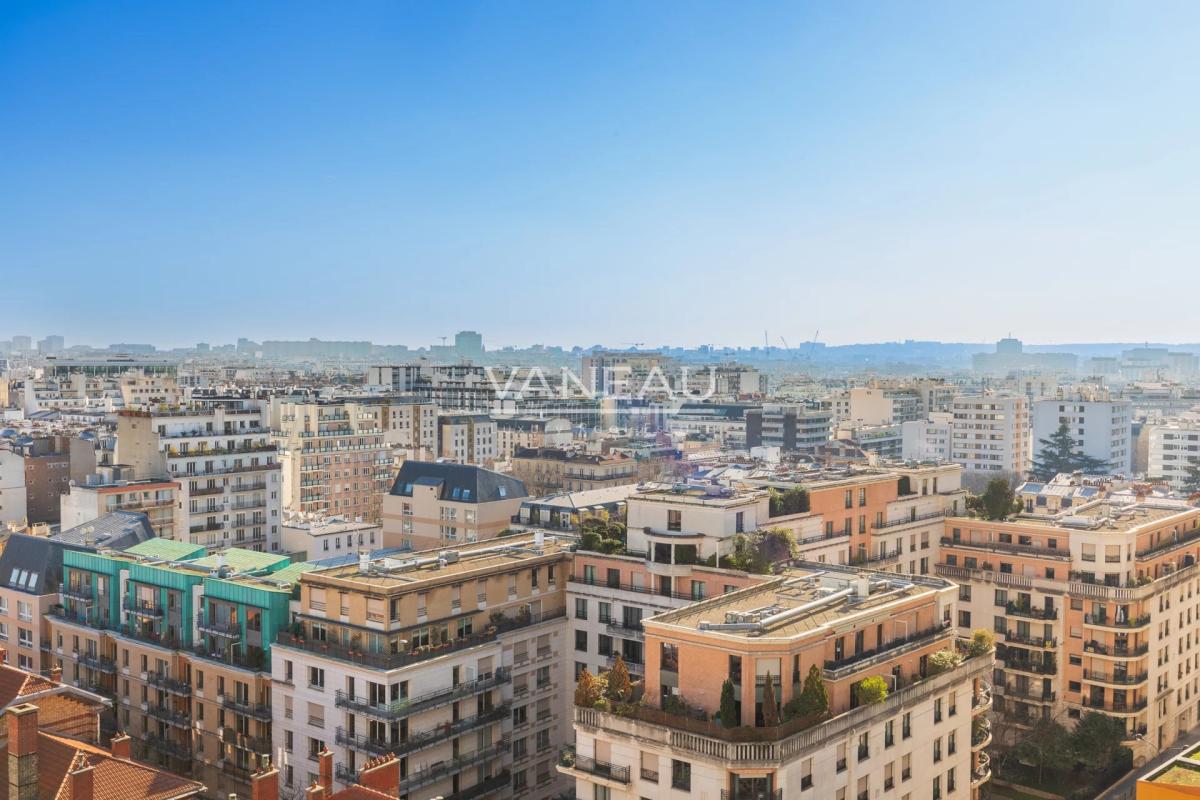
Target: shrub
{"points": [[943, 661], [770, 706], [728, 712], [983, 642], [814, 697], [587, 690], [871, 690], [589, 541], [619, 689], [601, 705]]}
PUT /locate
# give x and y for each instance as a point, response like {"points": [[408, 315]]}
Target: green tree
{"points": [[814, 697], [1191, 479], [983, 642], [871, 690], [997, 502], [728, 712], [620, 688], [1096, 739], [943, 661], [1048, 744], [770, 705], [1061, 453], [793, 501]]}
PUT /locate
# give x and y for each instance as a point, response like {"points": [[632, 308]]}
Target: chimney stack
{"points": [[314, 792], [83, 784], [381, 773], [120, 746], [23, 752], [265, 785], [325, 770], [56, 673]]}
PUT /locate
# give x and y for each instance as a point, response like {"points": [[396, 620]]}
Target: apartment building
{"points": [[336, 461], [457, 387], [1094, 603], [13, 504], [791, 428], [411, 424], [990, 437], [1174, 448], [436, 503], [1102, 428], [871, 405], [110, 489], [919, 741], [467, 438], [548, 470], [631, 372], [452, 661], [181, 643], [514, 433], [324, 537], [51, 463], [226, 466], [927, 439]]}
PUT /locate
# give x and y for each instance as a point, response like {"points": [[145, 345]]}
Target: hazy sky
{"points": [[575, 172]]}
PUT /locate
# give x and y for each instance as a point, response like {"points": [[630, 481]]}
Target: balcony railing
{"points": [[227, 630], [629, 631], [601, 769], [403, 708], [442, 769], [629, 587], [1112, 622], [167, 683], [420, 741], [896, 523], [83, 594], [751, 794], [1116, 651], [140, 609], [169, 715], [1125, 679], [396, 660], [1012, 637], [254, 660], [1018, 610], [98, 663], [486, 786], [164, 744], [256, 710], [890, 649]]}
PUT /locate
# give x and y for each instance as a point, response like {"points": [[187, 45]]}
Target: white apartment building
{"points": [[13, 502], [226, 466], [468, 438], [991, 434], [325, 537], [1174, 446], [927, 439], [1102, 429]]}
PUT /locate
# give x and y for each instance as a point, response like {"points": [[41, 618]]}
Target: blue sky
{"points": [[570, 172]]}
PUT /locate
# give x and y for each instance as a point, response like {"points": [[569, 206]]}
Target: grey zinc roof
{"points": [[116, 530], [458, 482]]}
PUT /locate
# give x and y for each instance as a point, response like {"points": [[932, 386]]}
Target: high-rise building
{"points": [[925, 736], [456, 662], [336, 461], [1101, 428], [225, 463], [1174, 449], [792, 428], [468, 344], [467, 438], [990, 436]]}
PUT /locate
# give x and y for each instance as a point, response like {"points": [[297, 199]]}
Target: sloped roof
{"points": [[462, 483], [241, 560], [117, 529], [33, 564], [166, 549]]}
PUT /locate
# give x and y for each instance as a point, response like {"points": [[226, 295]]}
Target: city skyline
{"points": [[301, 172]]}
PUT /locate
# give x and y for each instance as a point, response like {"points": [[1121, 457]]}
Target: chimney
{"points": [[23, 752], [315, 792], [265, 785], [82, 783], [382, 774], [120, 746], [325, 770], [56, 673]]}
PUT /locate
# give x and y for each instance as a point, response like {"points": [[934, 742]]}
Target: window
{"points": [[581, 608], [674, 520], [581, 641], [681, 775], [316, 678]]}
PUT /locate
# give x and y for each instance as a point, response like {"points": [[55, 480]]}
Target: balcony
{"points": [[1124, 709], [568, 760], [443, 769], [254, 660], [1025, 640], [256, 744], [634, 667], [982, 772], [169, 715], [488, 785], [627, 631], [1010, 548], [750, 794], [164, 744], [225, 630], [1034, 694], [1114, 679], [1097, 621], [844, 666], [141, 609], [1115, 651], [255, 710], [420, 741], [911, 520], [403, 708], [397, 660], [981, 735], [98, 663], [82, 594], [169, 684], [629, 587], [1034, 667], [1029, 612]]}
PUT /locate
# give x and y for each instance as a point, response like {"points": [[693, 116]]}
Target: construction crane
{"points": [[813, 344], [785, 344]]}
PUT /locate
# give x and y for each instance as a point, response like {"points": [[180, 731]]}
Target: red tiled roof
{"points": [[113, 778], [16, 683]]}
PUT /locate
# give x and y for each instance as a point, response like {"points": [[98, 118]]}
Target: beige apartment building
{"points": [[111, 489], [922, 740], [435, 504], [1095, 605], [513, 433], [549, 470], [454, 661], [411, 424], [468, 438], [336, 461], [225, 463]]}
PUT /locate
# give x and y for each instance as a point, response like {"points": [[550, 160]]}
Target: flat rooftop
{"points": [[803, 599], [1103, 515], [693, 493], [492, 555]]}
